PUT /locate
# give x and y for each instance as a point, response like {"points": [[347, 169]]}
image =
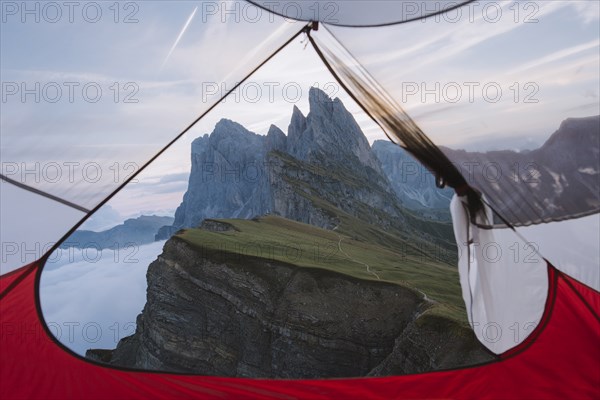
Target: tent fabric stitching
{"points": [[585, 302]]}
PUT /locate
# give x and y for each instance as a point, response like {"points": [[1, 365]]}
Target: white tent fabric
{"points": [[504, 287], [31, 225], [572, 245]]}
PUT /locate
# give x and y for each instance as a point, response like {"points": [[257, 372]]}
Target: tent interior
{"points": [[326, 199]]}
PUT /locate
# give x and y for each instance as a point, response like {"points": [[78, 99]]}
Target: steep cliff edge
{"points": [[219, 304]]}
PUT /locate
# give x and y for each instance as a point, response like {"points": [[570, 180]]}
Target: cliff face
{"points": [[314, 194], [228, 177], [218, 313], [329, 135], [412, 182]]}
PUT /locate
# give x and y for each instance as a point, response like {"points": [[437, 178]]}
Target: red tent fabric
{"points": [[560, 360]]}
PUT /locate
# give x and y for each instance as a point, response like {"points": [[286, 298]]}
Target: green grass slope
{"points": [[370, 255]]}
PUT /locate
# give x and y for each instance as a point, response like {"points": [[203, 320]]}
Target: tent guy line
{"points": [[45, 194]]}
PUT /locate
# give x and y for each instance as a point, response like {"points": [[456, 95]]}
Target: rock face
{"points": [[228, 177], [412, 182], [329, 135], [216, 314], [136, 231], [325, 156]]}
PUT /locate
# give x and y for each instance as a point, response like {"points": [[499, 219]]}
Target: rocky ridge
{"points": [[324, 157]]}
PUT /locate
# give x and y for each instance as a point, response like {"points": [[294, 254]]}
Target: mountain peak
{"points": [[274, 130], [576, 131], [276, 139], [297, 114], [321, 103], [318, 96], [297, 142], [227, 125], [332, 132], [228, 133]]}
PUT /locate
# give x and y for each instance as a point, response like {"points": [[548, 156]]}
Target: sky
{"points": [[110, 86], [545, 75], [477, 76], [90, 94]]}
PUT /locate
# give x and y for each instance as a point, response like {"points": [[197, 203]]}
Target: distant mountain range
{"points": [[556, 181], [141, 230], [324, 168]]}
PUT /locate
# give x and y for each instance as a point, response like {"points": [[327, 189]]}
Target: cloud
{"points": [[185, 26], [105, 218], [169, 183], [176, 177], [591, 108], [559, 55], [169, 187], [588, 11], [93, 300]]}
